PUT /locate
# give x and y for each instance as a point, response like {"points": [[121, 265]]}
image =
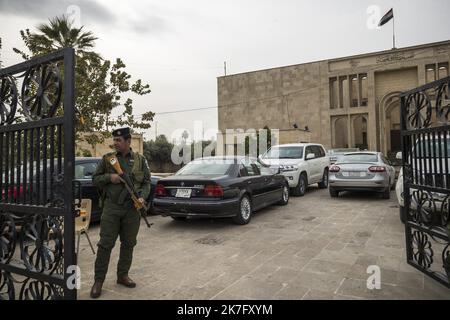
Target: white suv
{"points": [[301, 163]]}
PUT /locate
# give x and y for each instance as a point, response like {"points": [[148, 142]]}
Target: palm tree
{"points": [[185, 135], [60, 33]]}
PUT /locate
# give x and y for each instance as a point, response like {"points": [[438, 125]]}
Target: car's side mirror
{"points": [[310, 156], [399, 155]]}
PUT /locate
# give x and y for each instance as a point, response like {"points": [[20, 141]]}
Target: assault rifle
{"points": [[141, 207]]}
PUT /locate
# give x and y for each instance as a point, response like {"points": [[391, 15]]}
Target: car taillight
{"points": [[13, 192], [334, 169], [160, 190], [17, 193], [377, 169], [213, 191]]}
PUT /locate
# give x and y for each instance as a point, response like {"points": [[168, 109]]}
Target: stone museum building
{"points": [[343, 102]]}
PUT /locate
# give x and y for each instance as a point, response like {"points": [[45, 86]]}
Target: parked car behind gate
{"points": [[302, 164], [84, 169], [335, 153], [362, 170], [222, 186], [431, 175]]}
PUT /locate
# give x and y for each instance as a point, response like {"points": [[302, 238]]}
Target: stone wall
{"points": [[300, 94]]}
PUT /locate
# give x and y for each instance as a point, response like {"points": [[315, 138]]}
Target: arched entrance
{"points": [[393, 141], [360, 132], [340, 132], [390, 139]]}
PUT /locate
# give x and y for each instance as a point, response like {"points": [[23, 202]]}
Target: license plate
{"points": [[354, 174], [183, 193]]}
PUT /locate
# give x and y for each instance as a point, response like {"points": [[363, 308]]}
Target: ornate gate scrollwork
{"points": [[41, 91], [8, 100], [37, 157], [426, 180], [8, 237]]}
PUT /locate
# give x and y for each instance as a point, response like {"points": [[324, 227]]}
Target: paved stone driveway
{"points": [[314, 248]]}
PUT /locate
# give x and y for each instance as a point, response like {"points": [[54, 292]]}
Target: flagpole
{"points": [[393, 31]]}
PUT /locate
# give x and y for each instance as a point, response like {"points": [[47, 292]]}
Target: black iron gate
{"points": [[425, 114], [37, 256]]}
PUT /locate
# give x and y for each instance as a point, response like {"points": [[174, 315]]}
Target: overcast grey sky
{"points": [[179, 46]]}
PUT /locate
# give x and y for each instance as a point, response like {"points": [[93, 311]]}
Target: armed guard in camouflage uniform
{"points": [[119, 216]]}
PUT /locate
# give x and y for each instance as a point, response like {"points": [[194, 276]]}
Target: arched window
{"points": [[430, 72], [354, 91], [443, 70], [343, 92], [363, 89], [333, 93]]}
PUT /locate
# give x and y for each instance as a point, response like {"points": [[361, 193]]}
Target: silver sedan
{"points": [[364, 170]]}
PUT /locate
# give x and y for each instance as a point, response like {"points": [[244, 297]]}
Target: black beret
{"points": [[122, 132]]}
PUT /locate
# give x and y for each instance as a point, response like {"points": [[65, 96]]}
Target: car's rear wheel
{"points": [[179, 218], [285, 196], [300, 189], [324, 183], [245, 211], [333, 192]]}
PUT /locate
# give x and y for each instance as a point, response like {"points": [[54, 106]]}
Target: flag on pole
{"points": [[387, 17]]}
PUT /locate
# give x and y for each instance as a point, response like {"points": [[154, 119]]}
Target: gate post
{"points": [[69, 167]]}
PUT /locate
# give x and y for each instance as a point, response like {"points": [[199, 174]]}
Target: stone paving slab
{"points": [[316, 247]]}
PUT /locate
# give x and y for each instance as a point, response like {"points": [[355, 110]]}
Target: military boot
{"points": [[96, 290], [126, 281]]}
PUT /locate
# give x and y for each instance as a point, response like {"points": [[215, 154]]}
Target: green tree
{"points": [[158, 150], [159, 154], [100, 84]]}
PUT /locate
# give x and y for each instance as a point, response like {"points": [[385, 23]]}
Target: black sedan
{"points": [[220, 187]]}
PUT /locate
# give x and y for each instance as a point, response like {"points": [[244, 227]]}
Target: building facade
{"points": [[344, 102]]}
